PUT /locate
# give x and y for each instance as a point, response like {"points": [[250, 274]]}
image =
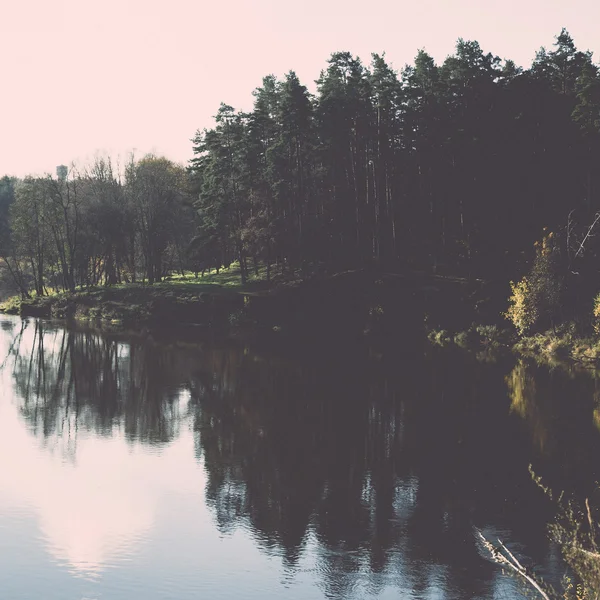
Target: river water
{"points": [[161, 467]]}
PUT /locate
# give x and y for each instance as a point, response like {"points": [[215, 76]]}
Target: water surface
{"points": [[169, 467]]}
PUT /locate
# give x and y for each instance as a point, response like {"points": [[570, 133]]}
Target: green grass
{"points": [[476, 337], [131, 298], [561, 348], [178, 296], [229, 277], [226, 280], [552, 346], [11, 306]]}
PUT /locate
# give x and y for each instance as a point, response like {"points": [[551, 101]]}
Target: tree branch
{"points": [[505, 558]]}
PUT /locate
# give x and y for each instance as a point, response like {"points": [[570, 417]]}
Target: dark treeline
{"points": [[454, 168]]}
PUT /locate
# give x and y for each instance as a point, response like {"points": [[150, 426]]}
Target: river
{"points": [[178, 467]]}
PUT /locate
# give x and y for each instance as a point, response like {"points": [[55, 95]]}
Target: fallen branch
{"points": [[505, 558], [587, 235], [587, 553]]}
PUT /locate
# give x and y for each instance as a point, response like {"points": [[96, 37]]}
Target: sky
{"points": [[80, 77]]}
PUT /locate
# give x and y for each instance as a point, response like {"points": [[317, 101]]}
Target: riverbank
{"points": [[560, 348], [351, 304], [355, 304], [197, 301]]}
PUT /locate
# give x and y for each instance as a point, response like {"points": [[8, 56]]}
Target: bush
{"points": [[440, 337], [12, 306], [482, 336], [463, 339], [522, 311], [586, 350], [240, 318], [491, 335], [596, 313], [537, 300]]}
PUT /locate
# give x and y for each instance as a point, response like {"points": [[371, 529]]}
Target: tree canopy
{"points": [[454, 168]]}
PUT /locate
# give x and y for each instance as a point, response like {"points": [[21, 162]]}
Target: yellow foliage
{"points": [[547, 244], [597, 314], [522, 312], [597, 418], [522, 393]]}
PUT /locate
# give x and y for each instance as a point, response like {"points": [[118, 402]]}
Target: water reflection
{"points": [[73, 380], [559, 407], [86, 400], [373, 470]]}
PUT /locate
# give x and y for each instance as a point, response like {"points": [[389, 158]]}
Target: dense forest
{"points": [[475, 167]]}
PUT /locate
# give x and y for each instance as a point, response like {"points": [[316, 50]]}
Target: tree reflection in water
{"points": [[381, 467], [70, 381]]}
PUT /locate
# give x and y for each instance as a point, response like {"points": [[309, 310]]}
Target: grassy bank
{"points": [[556, 346], [212, 299], [217, 300], [563, 347], [344, 305]]}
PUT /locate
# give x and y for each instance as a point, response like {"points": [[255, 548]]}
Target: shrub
{"points": [[240, 318], [522, 311], [440, 337], [491, 335], [11, 306], [462, 339], [597, 314], [537, 300]]}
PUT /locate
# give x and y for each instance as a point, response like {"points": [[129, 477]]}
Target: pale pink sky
{"points": [[80, 76]]}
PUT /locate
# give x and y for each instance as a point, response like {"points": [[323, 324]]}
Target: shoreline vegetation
{"points": [[553, 348], [353, 303], [218, 301], [455, 202], [213, 299], [459, 197]]}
